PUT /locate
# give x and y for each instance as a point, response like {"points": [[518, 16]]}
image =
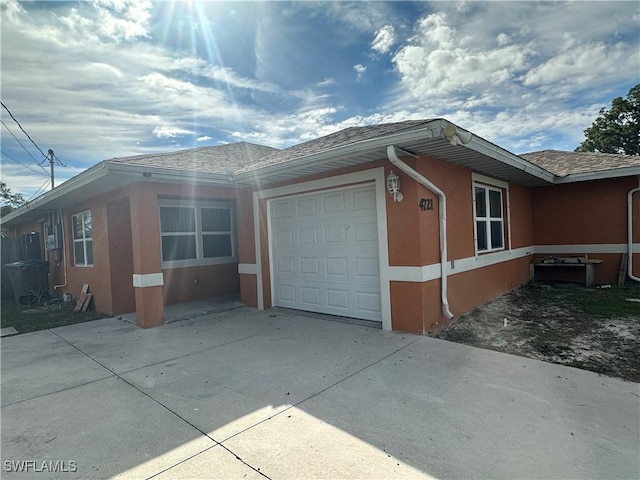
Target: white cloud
{"points": [[218, 73], [204, 138], [384, 39], [360, 16], [588, 61], [360, 69], [440, 61], [166, 131]]}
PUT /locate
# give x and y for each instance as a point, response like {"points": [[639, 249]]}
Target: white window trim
{"points": [[82, 240], [488, 219], [478, 178], [200, 260]]}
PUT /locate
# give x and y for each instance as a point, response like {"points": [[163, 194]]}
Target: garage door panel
{"points": [[360, 270], [338, 299], [337, 267], [285, 265], [333, 301], [365, 234], [333, 203], [282, 209], [306, 206], [286, 293], [325, 253], [368, 301], [364, 201], [310, 296], [367, 267], [335, 235], [310, 266], [283, 238]]}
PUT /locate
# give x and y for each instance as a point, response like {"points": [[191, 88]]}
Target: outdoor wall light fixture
{"points": [[393, 186]]}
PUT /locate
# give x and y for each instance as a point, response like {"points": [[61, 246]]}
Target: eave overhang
{"points": [[477, 155], [102, 178]]}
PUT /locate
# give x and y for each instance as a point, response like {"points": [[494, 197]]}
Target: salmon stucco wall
{"points": [[249, 289], [197, 283], [417, 307], [246, 235], [592, 213], [120, 221], [121, 256], [98, 276], [455, 182]]}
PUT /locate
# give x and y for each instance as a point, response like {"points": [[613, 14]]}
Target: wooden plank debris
{"points": [[85, 298], [622, 275]]}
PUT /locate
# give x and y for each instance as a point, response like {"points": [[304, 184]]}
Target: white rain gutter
{"points": [[64, 252], [442, 207], [630, 233]]}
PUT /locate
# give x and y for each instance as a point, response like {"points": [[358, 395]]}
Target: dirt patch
{"points": [[595, 329]]}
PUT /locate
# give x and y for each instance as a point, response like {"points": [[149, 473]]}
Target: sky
{"points": [[100, 79]]}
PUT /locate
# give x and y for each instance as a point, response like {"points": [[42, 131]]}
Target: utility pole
{"points": [[51, 161]]}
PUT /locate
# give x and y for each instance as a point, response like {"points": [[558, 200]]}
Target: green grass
{"points": [[31, 318], [601, 302]]}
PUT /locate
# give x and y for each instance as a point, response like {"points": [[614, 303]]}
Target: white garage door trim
{"points": [[376, 176]]}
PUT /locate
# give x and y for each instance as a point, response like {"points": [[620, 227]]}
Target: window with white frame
{"points": [[488, 214], [197, 233], [82, 239]]}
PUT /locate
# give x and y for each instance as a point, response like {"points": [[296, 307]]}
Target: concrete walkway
{"points": [[258, 394]]}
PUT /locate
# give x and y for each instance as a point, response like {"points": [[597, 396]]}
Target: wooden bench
{"points": [[571, 262]]}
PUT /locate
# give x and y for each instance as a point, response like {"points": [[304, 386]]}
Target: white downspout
{"points": [[64, 252], [442, 202], [630, 233]]}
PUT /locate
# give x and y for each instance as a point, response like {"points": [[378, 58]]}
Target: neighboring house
{"points": [[407, 224]]}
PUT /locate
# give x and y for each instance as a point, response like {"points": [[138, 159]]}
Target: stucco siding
{"points": [[593, 217]]}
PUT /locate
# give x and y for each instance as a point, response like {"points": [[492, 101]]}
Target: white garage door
{"points": [[324, 249]]}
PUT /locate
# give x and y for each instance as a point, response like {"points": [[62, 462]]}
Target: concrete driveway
{"points": [[255, 394]]}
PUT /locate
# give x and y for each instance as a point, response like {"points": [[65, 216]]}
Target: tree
{"points": [[616, 130], [10, 201]]}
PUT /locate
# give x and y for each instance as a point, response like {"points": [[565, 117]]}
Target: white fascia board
{"points": [[601, 175], [489, 149], [88, 176]]}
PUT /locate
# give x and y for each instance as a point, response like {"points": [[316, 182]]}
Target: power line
{"points": [[38, 191], [24, 148], [24, 131], [20, 163], [59, 161]]}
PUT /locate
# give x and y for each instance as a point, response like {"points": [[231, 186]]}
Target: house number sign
{"points": [[426, 204]]}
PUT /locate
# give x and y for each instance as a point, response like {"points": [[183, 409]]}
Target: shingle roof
{"points": [[567, 163], [211, 159], [335, 140]]}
